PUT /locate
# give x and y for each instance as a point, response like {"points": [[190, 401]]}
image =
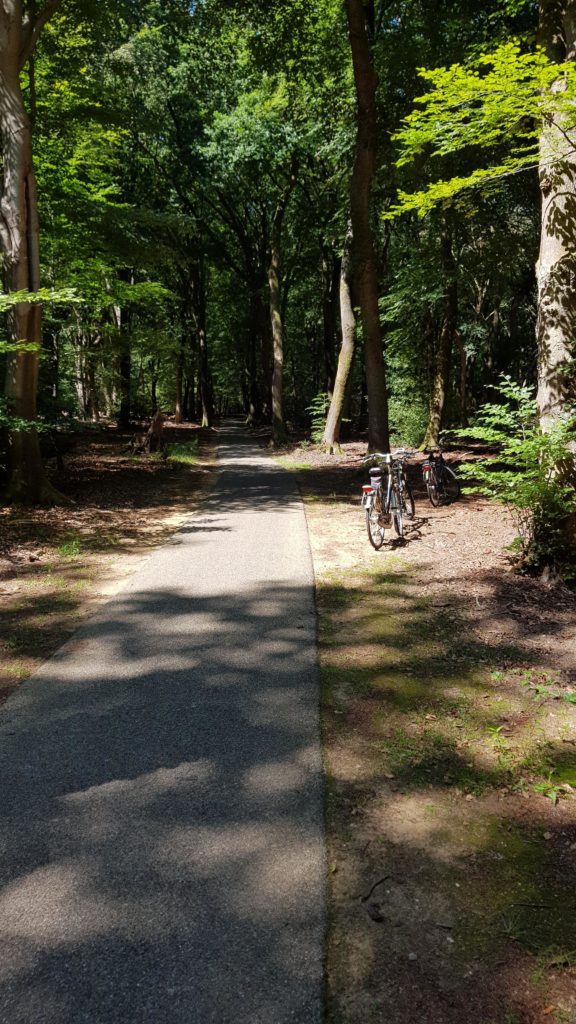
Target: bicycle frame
{"points": [[392, 491]]}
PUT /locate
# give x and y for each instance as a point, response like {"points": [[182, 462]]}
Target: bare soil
{"points": [[56, 564], [449, 718]]}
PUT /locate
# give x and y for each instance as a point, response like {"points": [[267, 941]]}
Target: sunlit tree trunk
{"points": [[364, 263], [19, 236], [331, 436], [556, 267]]}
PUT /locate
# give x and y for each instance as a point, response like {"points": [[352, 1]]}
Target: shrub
{"points": [[532, 474], [318, 410]]}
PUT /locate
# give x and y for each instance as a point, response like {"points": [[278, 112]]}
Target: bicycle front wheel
{"points": [[399, 522], [397, 511], [433, 489], [375, 524]]}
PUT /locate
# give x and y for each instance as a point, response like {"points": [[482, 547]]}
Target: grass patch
{"points": [[292, 466], [184, 454], [71, 548]]}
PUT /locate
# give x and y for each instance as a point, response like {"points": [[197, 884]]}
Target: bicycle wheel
{"points": [[408, 506], [432, 488], [397, 511], [375, 523], [451, 483], [398, 522]]}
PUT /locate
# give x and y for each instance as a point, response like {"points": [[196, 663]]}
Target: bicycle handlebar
{"points": [[389, 457]]}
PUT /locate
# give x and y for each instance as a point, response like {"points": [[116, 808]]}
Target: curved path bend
{"points": [[161, 838]]}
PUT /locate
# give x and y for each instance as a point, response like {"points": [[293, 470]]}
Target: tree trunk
{"points": [[253, 345], [199, 309], [331, 279], [92, 399], [331, 436], [364, 265], [441, 378], [179, 398], [154, 388], [463, 378], [556, 266], [19, 235], [125, 371], [278, 424]]}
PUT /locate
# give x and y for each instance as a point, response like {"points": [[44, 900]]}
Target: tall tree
{"points": [[556, 267], [20, 29], [365, 269]]}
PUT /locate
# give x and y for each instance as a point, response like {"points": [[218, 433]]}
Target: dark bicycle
{"points": [[441, 481], [387, 501]]}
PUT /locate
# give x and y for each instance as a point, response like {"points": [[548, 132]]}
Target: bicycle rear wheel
{"points": [[376, 523]]}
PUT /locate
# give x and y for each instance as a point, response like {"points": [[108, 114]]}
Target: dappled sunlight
{"points": [[451, 850], [168, 761]]}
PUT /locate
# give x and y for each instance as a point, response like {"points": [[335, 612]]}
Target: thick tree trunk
{"points": [[556, 267], [331, 436], [364, 264], [441, 378], [19, 236]]}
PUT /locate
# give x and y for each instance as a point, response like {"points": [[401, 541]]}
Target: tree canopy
{"points": [[198, 171]]}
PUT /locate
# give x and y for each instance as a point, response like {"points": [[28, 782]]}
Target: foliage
{"points": [[318, 410], [497, 102], [531, 474]]}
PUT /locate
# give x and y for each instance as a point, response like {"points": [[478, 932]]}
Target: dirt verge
{"points": [[449, 687]]}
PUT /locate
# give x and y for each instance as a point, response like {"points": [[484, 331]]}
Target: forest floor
{"points": [[449, 719], [57, 564]]}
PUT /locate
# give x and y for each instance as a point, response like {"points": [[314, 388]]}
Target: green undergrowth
{"points": [[186, 454]]}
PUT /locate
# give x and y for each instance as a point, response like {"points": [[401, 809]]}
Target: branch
{"points": [[32, 27]]}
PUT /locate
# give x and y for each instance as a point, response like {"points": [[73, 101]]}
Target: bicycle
{"points": [[388, 503], [441, 481]]}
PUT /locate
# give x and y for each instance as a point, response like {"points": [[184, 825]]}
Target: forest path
{"points": [[161, 836]]}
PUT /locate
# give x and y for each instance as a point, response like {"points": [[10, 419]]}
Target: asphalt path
{"points": [[161, 836]]}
